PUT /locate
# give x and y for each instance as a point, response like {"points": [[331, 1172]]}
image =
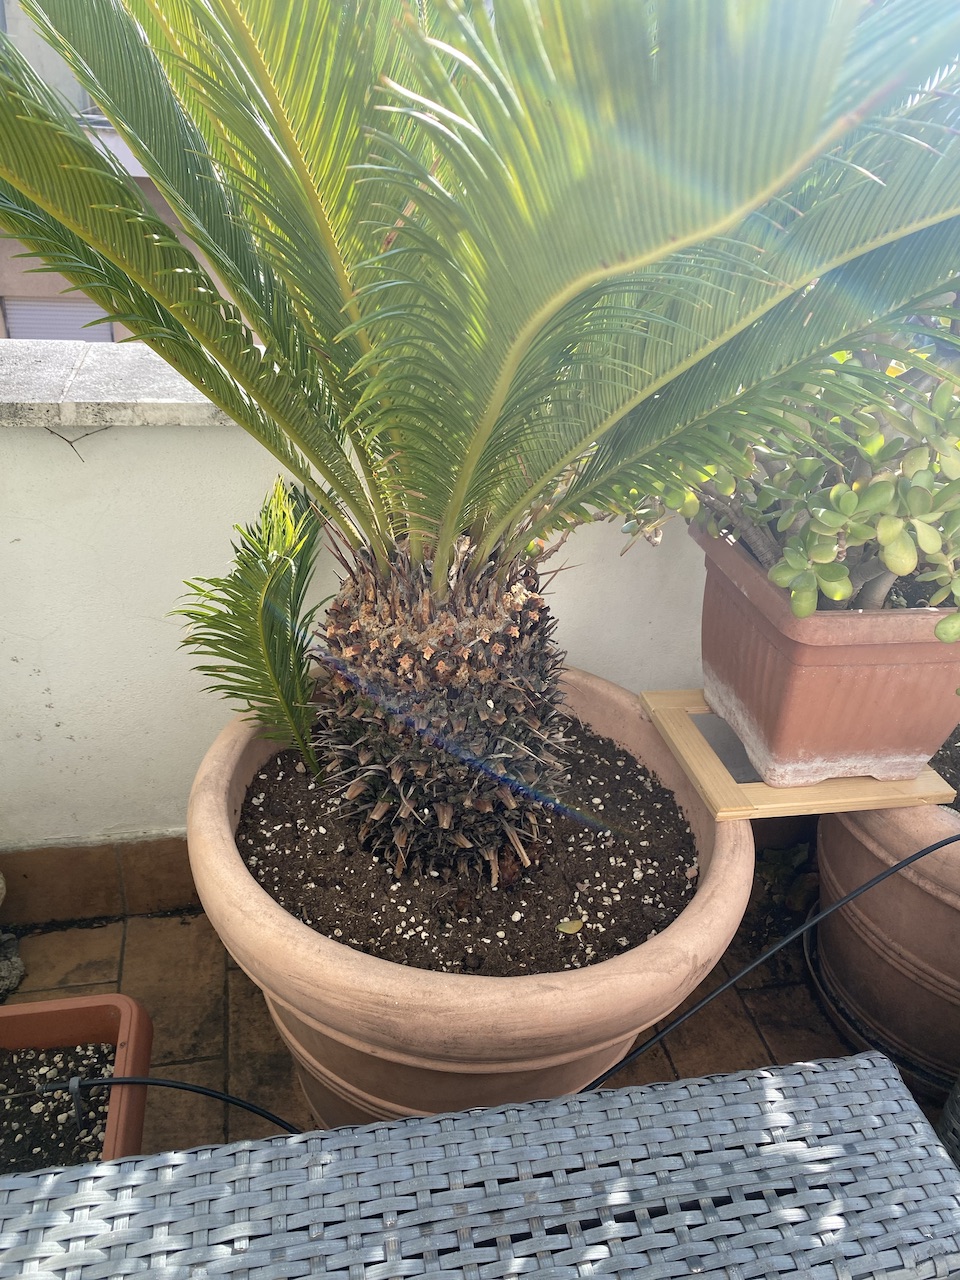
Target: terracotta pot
{"points": [[100, 1019], [374, 1039], [889, 962], [840, 694]]}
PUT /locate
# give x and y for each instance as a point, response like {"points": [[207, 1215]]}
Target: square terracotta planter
{"points": [[840, 694], [100, 1019]]}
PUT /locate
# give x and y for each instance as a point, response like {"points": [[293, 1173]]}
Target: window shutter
{"points": [[62, 318]]}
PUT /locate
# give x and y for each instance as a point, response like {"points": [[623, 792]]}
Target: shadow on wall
{"points": [[633, 619]]}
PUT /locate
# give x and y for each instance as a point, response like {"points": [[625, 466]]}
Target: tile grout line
{"points": [[755, 1022], [123, 955], [663, 1044], [669, 1057], [121, 879]]}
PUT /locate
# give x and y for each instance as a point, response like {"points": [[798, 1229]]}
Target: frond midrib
{"points": [[320, 217], [520, 345], [510, 519]]}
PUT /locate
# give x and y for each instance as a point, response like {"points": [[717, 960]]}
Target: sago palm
{"points": [[470, 272]]}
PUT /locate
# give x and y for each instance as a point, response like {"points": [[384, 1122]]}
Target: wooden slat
{"points": [[719, 792], [672, 712], [839, 795], [689, 700]]}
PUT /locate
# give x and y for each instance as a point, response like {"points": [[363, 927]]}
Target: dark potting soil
{"points": [[615, 866], [40, 1130]]}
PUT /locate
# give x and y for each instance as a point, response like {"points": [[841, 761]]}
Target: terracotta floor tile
{"points": [[64, 883], [787, 966], [57, 993], [650, 1068], [70, 958], [176, 1120], [793, 1025], [719, 1038], [176, 967], [156, 876], [260, 1068]]}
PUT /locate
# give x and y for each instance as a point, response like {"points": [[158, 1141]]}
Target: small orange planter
{"points": [[101, 1019]]}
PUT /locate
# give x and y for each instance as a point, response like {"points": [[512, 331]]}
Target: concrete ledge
{"points": [[79, 386]]}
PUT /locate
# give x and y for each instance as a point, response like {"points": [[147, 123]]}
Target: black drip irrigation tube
{"points": [[784, 942], [76, 1084]]}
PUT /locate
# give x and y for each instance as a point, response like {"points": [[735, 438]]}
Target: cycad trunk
{"points": [[440, 718]]}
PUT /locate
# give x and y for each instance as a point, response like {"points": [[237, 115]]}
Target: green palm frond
{"points": [[870, 292], [55, 168], [687, 311], [123, 300], [253, 622], [534, 203], [256, 113], [466, 277]]}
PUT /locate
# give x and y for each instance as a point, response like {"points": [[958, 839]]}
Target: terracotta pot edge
{"points": [[888, 951], [132, 1040], [567, 990], [872, 829], [897, 625]]}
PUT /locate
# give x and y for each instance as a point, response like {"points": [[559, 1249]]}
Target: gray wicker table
{"points": [[820, 1170]]}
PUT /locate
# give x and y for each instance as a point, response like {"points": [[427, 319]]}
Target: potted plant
{"points": [[455, 262], [886, 964], [832, 543], [827, 639]]}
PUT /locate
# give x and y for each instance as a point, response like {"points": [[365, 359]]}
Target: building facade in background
{"points": [[33, 304]]}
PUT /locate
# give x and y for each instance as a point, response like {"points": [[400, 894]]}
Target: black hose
{"points": [[109, 1081], [791, 937], [71, 1086]]}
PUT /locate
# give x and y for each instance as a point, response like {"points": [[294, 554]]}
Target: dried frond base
{"points": [[439, 718]]}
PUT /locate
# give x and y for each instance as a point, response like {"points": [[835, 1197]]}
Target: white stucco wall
{"points": [[102, 722]]}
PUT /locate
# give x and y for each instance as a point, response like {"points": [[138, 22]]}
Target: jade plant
{"points": [[844, 483], [470, 272]]}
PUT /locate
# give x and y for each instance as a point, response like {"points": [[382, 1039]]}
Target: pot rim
{"points": [[267, 929], [878, 830], [825, 626]]}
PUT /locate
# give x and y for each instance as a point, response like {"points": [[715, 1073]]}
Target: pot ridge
{"points": [[469, 1025]]}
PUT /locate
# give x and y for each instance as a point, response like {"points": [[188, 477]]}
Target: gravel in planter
{"points": [[39, 1130]]}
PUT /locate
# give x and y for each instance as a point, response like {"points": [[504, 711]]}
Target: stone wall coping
{"points": [[76, 387]]}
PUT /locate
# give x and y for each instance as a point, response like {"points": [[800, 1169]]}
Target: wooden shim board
{"points": [[672, 712]]}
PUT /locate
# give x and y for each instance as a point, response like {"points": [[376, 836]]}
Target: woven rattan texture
{"points": [[823, 1170]]}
